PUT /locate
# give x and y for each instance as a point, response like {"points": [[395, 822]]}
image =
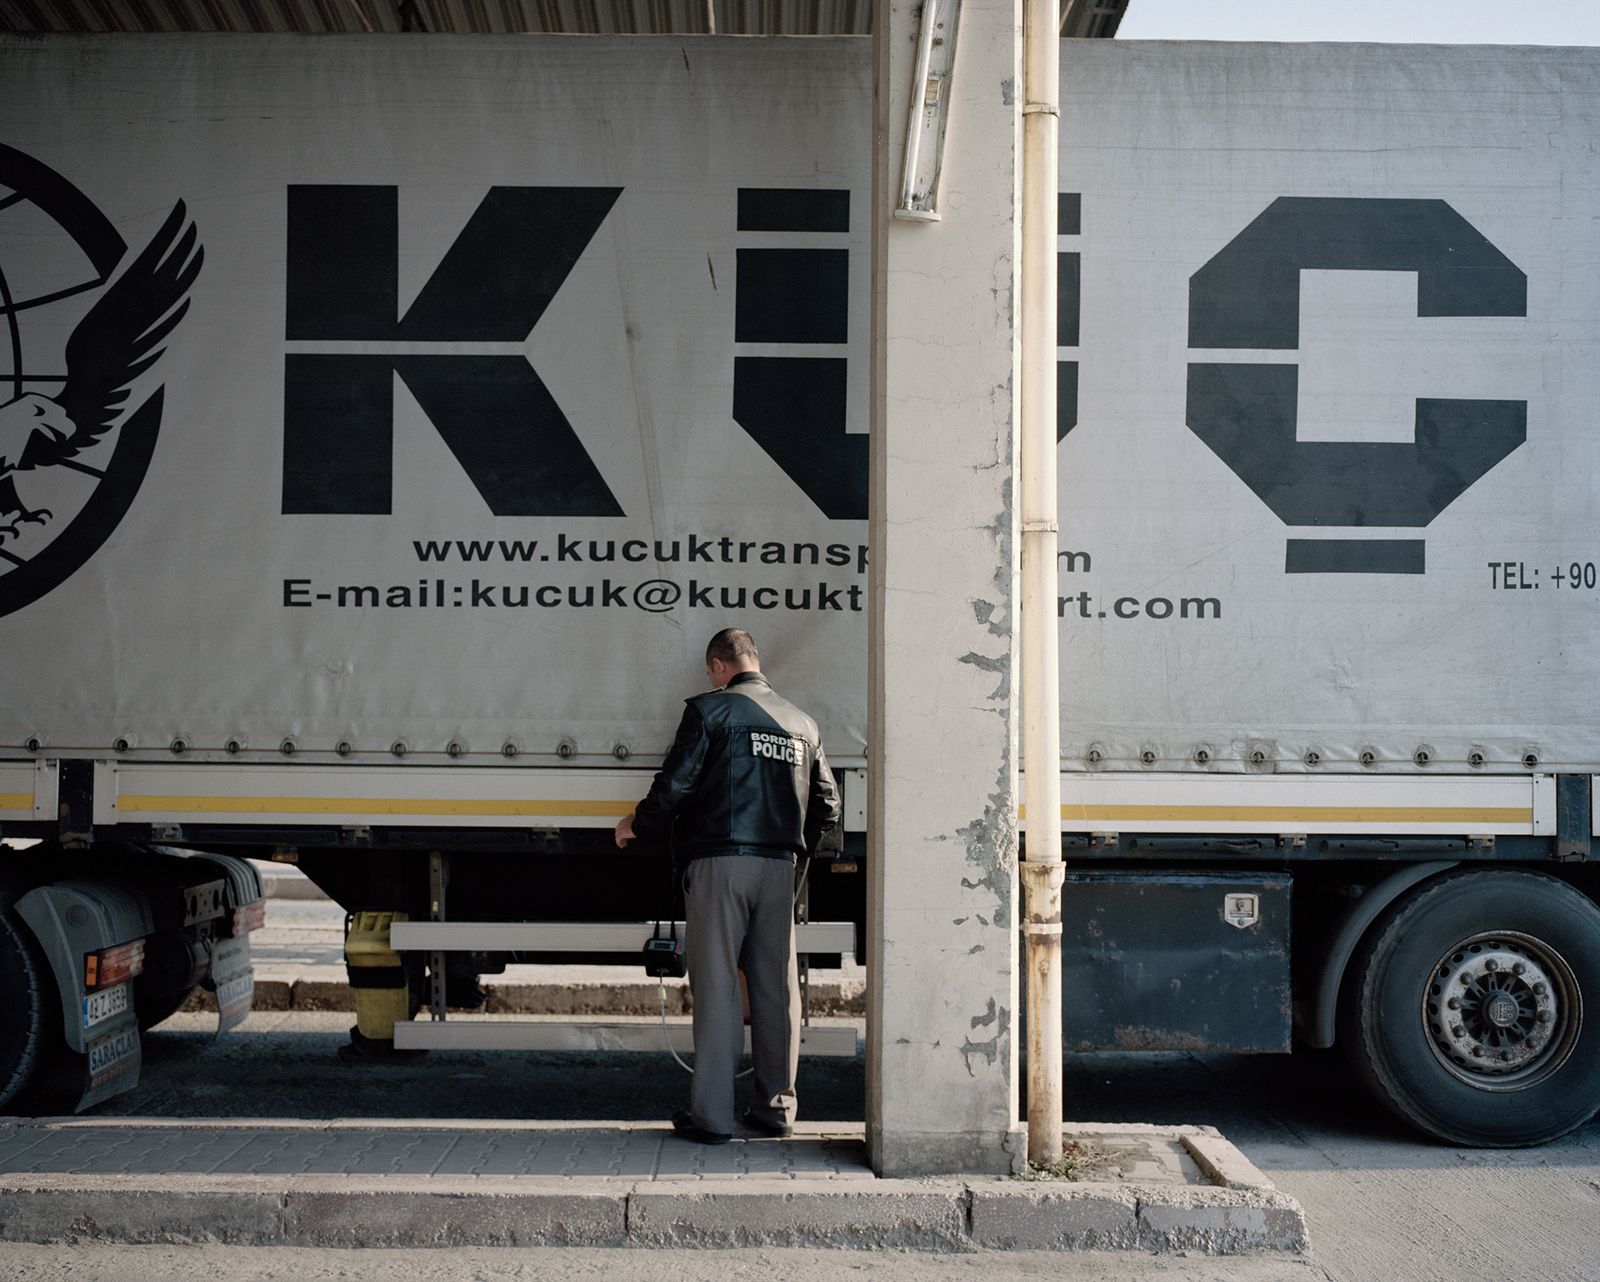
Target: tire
{"points": [[25, 993], [1516, 1060]]}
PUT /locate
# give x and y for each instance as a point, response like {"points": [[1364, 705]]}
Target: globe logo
{"points": [[79, 324]]}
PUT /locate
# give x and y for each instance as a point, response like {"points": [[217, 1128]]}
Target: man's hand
{"points": [[623, 831]]}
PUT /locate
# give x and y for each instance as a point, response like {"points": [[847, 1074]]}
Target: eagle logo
{"points": [[119, 338]]}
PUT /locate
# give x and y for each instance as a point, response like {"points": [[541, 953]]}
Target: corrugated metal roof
{"points": [[1093, 18], [449, 17]]}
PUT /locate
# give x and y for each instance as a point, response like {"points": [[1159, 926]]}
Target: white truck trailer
{"points": [[386, 424]]}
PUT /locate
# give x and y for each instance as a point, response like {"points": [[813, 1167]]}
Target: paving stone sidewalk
{"points": [[602, 1151]]}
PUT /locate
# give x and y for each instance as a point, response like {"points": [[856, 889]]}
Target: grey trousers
{"points": [[740, 914]]}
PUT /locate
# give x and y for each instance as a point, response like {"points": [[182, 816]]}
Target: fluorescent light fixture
{"points": [[930, 107]]}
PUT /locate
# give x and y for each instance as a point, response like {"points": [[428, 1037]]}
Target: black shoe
{"points": [[373, 1050], [684, 1125], [773, 1130]]}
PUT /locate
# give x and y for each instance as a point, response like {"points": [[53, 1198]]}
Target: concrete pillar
{"points": [[942, 848]]}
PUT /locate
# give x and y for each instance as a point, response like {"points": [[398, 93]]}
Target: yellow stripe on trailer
{"points": [[16, 801], [368, 806], [1299, 814]]}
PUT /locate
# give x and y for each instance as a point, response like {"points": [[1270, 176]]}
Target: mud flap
{"points": [[233, 980], [115, 1056]]}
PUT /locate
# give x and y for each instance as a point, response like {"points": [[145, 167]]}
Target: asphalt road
{"points": [[1381, 1202]]}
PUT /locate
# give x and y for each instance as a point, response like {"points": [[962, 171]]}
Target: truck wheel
{"points": [[25, 991], [1473, 1010]]}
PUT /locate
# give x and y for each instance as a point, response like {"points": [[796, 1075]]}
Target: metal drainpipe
{"points": [[1042, 871]]}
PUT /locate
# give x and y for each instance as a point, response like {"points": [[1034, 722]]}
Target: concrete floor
{"points": [[1381, 1202], [571, 1264]]}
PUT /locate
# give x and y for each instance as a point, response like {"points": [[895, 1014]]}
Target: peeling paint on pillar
{"points": [[988, 837], [1001, 531], [982, 851], [1001, 666], [1000, 1018], [985, 841]]}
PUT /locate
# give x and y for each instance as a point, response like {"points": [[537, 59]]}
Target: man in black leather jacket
{"points": [[747, 780]]}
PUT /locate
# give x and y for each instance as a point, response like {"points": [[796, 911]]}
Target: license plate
{"points": [[99, 1007], [113, 1054]]}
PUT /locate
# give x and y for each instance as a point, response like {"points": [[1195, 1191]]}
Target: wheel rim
{"points": [[1502, 1011]]}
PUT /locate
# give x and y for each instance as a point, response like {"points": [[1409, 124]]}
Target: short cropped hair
{"points": [[732, 644]]}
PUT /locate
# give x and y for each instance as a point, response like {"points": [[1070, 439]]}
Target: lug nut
{"points": [[1454, 1003], [1477, 1052], [1544, 1017], [1491, 964], [1517, 968], [1455, 1030], [1540, 989]]}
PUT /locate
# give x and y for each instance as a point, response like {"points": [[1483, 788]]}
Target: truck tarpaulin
{"points": [[509, 370]]}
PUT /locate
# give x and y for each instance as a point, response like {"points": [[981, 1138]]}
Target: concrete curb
{"points": [[408, 1211], [903, 1214], [310, 1210], [828, 998], [296, 886], [1055, 1217], [285, 881], [1220, 1221]]}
